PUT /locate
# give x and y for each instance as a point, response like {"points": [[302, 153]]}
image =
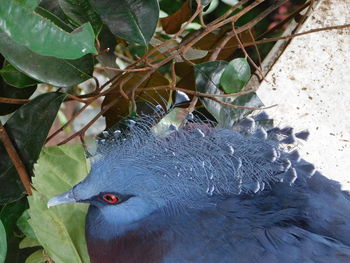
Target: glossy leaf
{"points": [[16, 78], [133, 20], [50, 70], [107, 41], [54, 8], [3, 243], [208, 77], [28, 127], [170, 6], [236, 75], [81, 11], [54, 19], [42, 36], [8, 91], [60, 230]]}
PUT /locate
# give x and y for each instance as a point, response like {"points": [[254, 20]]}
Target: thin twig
{"points": [[233, 19], [16, 160], [284, 21], [182, 29], [244, 51], [196, 93], [272, 39], [13, 101], [124, 70], [220, 45], [144, 64], [229, 12], [257, 52], [241, 107], [90, 123], [72, 97], [69, 121]]}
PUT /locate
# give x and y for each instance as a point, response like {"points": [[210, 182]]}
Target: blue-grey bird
{"points": [[207, 195]]}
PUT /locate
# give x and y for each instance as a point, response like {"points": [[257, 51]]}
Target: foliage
{"points": [[62, 238], [198, 57], [3, 247]]}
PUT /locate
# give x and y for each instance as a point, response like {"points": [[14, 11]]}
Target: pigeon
{"points": [[203, 194]]}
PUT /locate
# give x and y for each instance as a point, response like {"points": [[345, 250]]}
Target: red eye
{"points": [[110, 198]]}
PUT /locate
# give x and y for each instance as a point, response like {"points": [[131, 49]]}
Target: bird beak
{"points": [[65, 198]]}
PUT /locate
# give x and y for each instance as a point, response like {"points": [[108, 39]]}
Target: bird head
{"points": [[117, 187]]}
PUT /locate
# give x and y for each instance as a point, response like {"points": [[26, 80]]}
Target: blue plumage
{"points": [[203, 194]]}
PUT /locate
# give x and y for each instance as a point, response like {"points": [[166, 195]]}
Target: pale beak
{"points": [[65, 198]]}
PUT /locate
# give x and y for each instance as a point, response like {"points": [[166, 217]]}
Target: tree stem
{"points": [[16, 160]]}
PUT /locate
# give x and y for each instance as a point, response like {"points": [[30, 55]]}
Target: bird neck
{"points": [[124, 242], [100, 227]]}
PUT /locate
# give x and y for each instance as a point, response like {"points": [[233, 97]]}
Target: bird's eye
{"points": [[111, 198]]}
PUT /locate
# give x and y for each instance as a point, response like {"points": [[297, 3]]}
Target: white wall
{"points": [[311, 85]]}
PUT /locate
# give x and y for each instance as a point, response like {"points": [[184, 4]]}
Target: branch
{"points": [[196, 93], [82, 131], [13, 101], [338, 27], [241, 107], [16, 160]]}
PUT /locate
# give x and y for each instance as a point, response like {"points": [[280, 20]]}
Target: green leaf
{"points": [[28, 128], [37, 257], [8, 91], [24, 226], [54, 8], [29, 242], [16, 78], [205, 2], [107, 41], [50, 70], [208, 77], [33, 27], [193, 4], [170, 6], [133, 20], [54, 19], [60, 230], [248, 100], [9, 215], [3, 243], [81, 11], [30, 4], [174, 118], [236, 75]]}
